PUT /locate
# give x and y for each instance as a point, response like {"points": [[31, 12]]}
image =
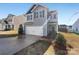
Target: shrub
{"points": [[20, 30], [60, 45], [60, 40]]}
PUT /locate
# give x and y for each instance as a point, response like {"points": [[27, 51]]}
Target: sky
{"points": [[68, 13]]}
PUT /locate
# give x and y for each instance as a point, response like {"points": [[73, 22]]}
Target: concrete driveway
{"points": [[11, 45]]}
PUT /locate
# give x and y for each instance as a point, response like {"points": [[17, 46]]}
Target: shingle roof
{"points": [[31, 9]]}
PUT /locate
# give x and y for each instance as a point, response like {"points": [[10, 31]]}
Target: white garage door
{"points": [[34, 30]]}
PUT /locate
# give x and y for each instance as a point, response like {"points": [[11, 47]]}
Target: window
{"points": [[42, 13], [29, 17], [35, 14], [54, 16]]}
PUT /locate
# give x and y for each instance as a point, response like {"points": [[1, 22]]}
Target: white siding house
{"points": [[36, 20], [69, 28], [0, 26], [76, 26], [6, 23]]}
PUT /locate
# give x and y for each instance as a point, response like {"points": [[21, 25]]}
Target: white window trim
{"points": [[30, 20]]}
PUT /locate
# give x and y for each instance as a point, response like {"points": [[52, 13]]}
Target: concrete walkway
{"points": [[12, 45]]}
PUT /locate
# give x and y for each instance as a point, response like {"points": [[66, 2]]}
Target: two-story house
{"points": [[63, 28], [37, 21], [6, 23]]}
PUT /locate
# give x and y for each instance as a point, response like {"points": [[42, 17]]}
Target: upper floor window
{"points": [[54, 16], [29, 17], [42, 13], [35, 14]]}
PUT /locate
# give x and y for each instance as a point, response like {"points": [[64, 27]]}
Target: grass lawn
{"points": [[8, 33], [70, 35], [73, 40]]}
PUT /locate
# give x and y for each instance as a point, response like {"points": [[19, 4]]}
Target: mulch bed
{"points": [[60, 49], [37, 48]]}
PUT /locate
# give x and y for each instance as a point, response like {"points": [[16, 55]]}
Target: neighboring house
{"points": [[70, 29], [9, 23], [6, 23], [63, 28], [0, 24], [37, 21], [76, 26]]}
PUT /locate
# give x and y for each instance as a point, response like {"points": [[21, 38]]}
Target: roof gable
{"points": [[33, 7], [29, 11]]}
